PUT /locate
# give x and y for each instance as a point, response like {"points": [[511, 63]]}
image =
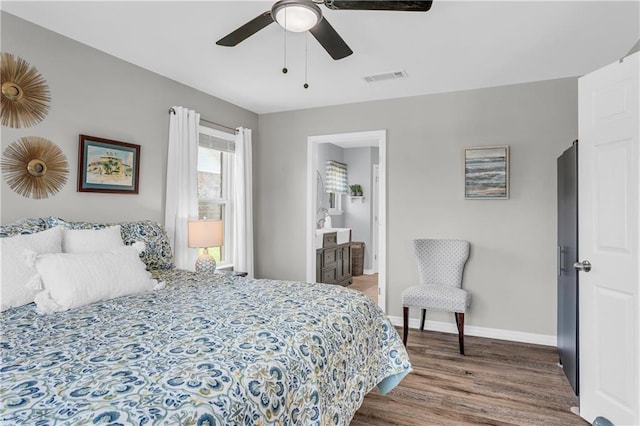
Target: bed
{"points": [[214, 350]]}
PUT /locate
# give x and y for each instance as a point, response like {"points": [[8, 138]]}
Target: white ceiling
{"points": [[454, 46]]}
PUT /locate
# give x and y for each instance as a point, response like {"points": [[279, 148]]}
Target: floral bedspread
{"points": [[217, 351]]}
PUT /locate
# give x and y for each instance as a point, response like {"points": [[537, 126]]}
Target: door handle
{"points": [[561, 252], [584, 266]]}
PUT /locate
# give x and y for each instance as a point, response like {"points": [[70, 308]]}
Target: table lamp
{"points": [[205, 234]]}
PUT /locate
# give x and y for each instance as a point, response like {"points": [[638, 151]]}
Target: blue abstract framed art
{"points": [[486, 172], [108, 166]]}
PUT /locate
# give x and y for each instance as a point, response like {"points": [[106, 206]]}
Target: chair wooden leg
{"points": [[460, 324], [405, 324], [424, 314]]}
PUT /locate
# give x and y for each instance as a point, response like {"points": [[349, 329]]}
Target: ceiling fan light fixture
{"points": [[296, 15]]}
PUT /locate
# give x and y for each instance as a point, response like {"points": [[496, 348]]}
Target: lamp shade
{"points": [[205, 233], [296, 15]]}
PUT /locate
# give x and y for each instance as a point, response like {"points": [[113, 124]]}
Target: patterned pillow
{"points": [[157, 254], [24, 226], [57, 221]]}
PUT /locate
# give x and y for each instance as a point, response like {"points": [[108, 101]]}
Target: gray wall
{"points": [[96, 94], [512, 270]]}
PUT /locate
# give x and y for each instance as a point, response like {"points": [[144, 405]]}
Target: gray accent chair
{"points": [[440, 268]]}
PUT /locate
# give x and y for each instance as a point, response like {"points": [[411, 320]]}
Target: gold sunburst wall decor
{"points": [[25, 94], [34, 167]]}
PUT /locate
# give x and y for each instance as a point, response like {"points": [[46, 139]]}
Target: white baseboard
{"points": [[472, 330], [368, 272]]}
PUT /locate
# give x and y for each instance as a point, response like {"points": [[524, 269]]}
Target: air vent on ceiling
{"points": [[385, 76]]}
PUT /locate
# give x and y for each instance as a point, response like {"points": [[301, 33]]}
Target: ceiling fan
{"points": [[306, 15]]}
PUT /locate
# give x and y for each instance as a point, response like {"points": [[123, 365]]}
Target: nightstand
{"points": [[231, 273]]}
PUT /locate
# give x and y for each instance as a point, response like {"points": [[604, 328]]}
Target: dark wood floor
{"points": [[495, 383]]}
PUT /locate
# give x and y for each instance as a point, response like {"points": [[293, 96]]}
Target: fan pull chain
{"points": [[284, 37], [306, 60]]}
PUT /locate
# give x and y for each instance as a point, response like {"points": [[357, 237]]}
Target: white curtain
{"points": [[243, 205], [182, 183]]}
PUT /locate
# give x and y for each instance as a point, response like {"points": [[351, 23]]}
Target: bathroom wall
{"points": [[358, 211]]}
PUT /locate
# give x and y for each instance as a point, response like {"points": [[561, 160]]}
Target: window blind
{"points": [[208, 141], [336, 177]]}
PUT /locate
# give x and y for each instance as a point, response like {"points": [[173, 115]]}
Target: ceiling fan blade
{"points": [[400, 5], [246, 31], [330, 40]]}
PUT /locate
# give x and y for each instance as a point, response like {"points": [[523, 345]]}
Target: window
{"points": [[336, 185], [215, 186], [335, 202]]}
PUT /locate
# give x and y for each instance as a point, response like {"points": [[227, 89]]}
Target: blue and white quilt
{"points": [[216, 351]]}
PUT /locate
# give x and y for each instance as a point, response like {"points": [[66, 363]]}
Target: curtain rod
{"points": [[173, 111]]}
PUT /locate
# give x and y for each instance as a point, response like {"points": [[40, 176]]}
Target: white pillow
{"points": [[15, 273], [91, 240], [71, 280]]}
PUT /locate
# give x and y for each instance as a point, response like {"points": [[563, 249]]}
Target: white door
{"points": [[608, 235]]}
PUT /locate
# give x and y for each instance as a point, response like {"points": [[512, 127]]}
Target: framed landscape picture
{"points": [[486, 172], [108, 166]]}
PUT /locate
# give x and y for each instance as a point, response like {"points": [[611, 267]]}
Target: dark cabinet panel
{"points": [[330, 239], [567, 255], [329, 256], [329, 275], [319, 266], [343, 263], [333, 262]]}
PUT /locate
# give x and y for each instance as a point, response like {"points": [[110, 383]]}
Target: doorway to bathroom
{"points": [[364, 154]]}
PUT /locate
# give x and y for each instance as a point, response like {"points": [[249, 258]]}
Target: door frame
{"points": [[377, 138], [374, 222]]}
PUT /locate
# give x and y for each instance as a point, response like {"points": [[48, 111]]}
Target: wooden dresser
{"points": [[333, 261]]}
